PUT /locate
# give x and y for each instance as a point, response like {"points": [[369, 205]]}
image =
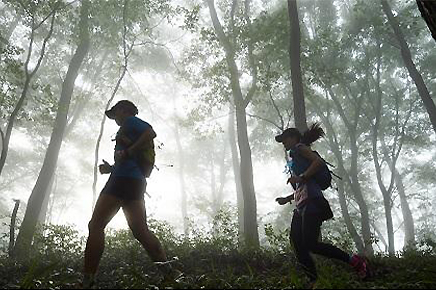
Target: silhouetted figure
{"points": [[310, 175], [125, 188]]}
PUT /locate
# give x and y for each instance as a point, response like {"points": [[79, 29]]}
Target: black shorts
{"points": [[125, 188]]}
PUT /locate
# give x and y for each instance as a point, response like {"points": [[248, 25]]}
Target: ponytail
{"points": [[314, 133]]}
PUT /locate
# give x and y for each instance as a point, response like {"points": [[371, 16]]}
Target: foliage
{"points": [[208, 261]]}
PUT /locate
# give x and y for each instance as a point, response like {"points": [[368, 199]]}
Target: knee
{"points": [[95, 226]]}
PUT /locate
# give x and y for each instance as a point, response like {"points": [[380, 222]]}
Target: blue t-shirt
{"points": [[298, 166], [132, 128]]}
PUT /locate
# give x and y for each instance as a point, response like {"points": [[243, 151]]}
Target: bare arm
{"points": [[315, 164], [315, 161], [285, 200]]}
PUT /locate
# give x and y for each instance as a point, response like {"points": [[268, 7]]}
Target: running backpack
{"points": [[323, 177], [145, 156]]}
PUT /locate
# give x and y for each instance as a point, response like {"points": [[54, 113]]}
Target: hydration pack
{"points": [[323, 177]]}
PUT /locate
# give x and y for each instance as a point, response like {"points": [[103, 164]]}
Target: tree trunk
{"points": [[236, 171], [213, 191], [348, 222], [223, 174], [126, 53], [12, 227], [334, 146], [251, 235], [184, 202], [355, 185], [381, 237], [43, 214], [410, 65], [29, 75], [386, 193], [409, 224], [297, 80], [36, 199], [71, 122], [100, 136], [354, 175], [428, 12]]}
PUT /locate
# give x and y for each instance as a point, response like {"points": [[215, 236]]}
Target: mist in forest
{"points": [[217, 81]]}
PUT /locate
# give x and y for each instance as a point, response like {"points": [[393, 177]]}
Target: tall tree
{"points": [[297, 80], [32, 12], [251, 235], [410, 65], [28, 226], [236, 170], [126, 51], [386, 192]]}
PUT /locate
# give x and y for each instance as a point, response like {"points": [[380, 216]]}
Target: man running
{"points": [[124, 189]]}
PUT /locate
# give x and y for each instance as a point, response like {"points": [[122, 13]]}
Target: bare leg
{"points": [[136, 218], [105, 209]]}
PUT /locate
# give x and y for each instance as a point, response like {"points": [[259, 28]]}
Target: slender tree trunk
{"points": [[223, 173], [126, 53], [29, 75], [251, 235], [348, 222], [213, 191], [380, 236], [36, 199], [100, 136], [297, 80], [386, 193], [409, 224], [354, 174], [357, 190], [410, 65], [334, 146], [182, 180], [236, 171], [12, 227]]}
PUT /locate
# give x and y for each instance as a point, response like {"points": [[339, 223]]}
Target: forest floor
{"points": [[206, 264]]}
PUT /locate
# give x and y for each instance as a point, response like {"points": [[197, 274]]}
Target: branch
{"points": [[50, 14], [251, 59], [44, 44], [276, 108], [30, 50], [264, 119], [166, 48], [2, 135], [232, 15]]}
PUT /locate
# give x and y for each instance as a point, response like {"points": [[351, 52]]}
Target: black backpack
{"points": [[323, 177]]}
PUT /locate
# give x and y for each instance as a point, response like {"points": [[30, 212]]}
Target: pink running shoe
{"points": [[360, 265]]}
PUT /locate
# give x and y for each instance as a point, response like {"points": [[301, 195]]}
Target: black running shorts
{"points": [[125, 188]]}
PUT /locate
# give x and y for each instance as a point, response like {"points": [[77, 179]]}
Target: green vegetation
{"points": [[209, 259]]}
